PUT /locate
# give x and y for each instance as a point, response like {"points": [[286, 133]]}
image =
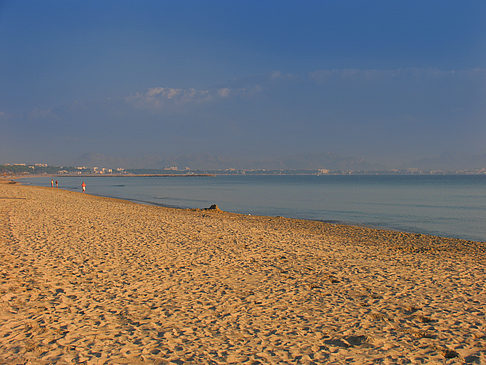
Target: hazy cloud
{"points": [[376, 74], [39, 113], [161, 97], [278, 75], [224, 92]]}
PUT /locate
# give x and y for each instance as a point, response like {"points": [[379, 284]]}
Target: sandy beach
{"points": [[85, 279]]}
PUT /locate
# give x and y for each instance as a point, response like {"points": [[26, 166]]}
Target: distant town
{"points": [[42, 169]]}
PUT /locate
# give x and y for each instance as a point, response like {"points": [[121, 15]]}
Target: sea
{"points": [[449, 206]]}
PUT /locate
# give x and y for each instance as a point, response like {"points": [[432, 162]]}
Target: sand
{"points": [[93, 280]]}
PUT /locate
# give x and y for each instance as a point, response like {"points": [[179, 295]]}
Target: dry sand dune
{"points": [[97, 280]]}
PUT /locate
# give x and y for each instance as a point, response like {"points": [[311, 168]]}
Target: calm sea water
{"points": [[452, 206]]}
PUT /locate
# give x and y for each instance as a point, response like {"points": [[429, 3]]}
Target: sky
{"points": [[144, 83]]}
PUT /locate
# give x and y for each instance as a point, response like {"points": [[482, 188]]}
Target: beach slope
{"points": [[98, 280]]}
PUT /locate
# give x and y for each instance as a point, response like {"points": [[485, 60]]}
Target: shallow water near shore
{"points": [[451, 206]]}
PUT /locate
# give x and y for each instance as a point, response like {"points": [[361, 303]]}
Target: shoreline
{"points": [[385, 230], [94, 279], [331, 221]]}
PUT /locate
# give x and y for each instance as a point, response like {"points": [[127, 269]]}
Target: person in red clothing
{"points": [[83, 186], [57, 184]]}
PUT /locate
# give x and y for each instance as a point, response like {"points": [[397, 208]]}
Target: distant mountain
{"points": [[329, 161], [450, 161], [99, 159], [306, 161], [209, 161]]}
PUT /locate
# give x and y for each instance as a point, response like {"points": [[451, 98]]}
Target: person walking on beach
{"points": [[52, 183], [83, 186], [57, 184]]}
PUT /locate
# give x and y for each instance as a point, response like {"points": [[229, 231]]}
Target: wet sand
{"points": [[94, 280]]}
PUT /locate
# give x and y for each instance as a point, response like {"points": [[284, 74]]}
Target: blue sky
{"points": [[386, 81]]}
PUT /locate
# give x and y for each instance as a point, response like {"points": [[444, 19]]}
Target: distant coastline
{"points": [[132, 175], [212, 174], [33, 170], [25, 176]]}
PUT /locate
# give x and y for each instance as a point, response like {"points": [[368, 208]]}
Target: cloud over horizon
{"points": [[414, 113], [158, 98], [322, 75], [257, 78]]}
